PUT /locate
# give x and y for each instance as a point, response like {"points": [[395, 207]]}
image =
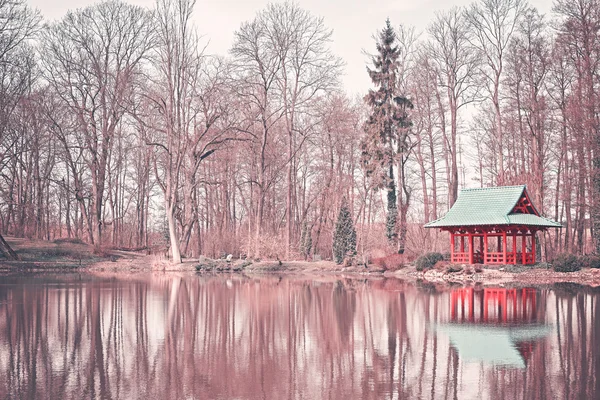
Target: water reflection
{"points": [[176, 337], [496, 326]]}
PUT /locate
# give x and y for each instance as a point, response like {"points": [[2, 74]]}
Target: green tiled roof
{"points": [[530, 219], [489, 206]]}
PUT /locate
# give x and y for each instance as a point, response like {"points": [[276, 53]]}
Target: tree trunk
{"points": [[174, 240], [500, 180], [453, 150], [289, 211], [403, 203]]}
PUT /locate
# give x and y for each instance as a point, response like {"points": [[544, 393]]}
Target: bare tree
{"points": [[492, 23], [425, 118], [561, 77], [456, 63], [182, 108], [578, 36], [528, 66], [257, 66], [91, 59], [284, 56], [308, 70], [18, 24]]}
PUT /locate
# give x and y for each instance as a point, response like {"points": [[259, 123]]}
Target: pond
{"points": [[175, 336]]}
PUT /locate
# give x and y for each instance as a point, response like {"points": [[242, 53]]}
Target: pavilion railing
{"points": [[510, 258], [494, 258], [460, 257], [529, 258]]}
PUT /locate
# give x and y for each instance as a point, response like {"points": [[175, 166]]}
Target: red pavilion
{"points": [[495, 225]]}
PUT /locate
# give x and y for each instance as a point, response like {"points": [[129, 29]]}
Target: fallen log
{"points": [[8, 252]]}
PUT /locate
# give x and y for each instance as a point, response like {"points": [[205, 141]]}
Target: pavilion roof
{"points": [[491, 206]]}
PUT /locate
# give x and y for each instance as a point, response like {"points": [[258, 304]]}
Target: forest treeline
{"points": [[118, 128]]}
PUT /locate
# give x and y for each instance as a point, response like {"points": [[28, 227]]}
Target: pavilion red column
{"points": [[481, 248], [524, 249], [533, 247], [485, 245], [452, 246], [471, 248], [514, 248], [504, 246]]}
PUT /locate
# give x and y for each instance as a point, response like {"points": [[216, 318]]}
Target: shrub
{"points": [[566, 263], [390, 262], [590, 261], [428, 261]]}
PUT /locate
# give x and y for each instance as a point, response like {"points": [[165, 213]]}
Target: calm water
{"points": [[167, 336]]}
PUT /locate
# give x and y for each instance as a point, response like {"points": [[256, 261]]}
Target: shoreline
{"points": [[136, 263], [63, 256]]}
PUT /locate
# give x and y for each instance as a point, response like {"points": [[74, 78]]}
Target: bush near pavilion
{"points": [[590, 261], [566, 263], [428, 261]]}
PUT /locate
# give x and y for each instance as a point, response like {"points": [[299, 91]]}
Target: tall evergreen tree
{"points": [[385, 129], [344, 236]]}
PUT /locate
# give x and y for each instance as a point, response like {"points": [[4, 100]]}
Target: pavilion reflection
{"points": [[497, 326], [493, 305]]}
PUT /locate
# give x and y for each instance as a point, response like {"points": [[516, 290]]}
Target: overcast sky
{"points": [[353, 22]]}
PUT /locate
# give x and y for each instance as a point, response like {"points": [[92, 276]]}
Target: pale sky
{"points": [[353, 22]]}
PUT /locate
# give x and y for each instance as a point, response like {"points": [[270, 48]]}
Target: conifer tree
{"points": [[344, 237], [385, 129]]}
